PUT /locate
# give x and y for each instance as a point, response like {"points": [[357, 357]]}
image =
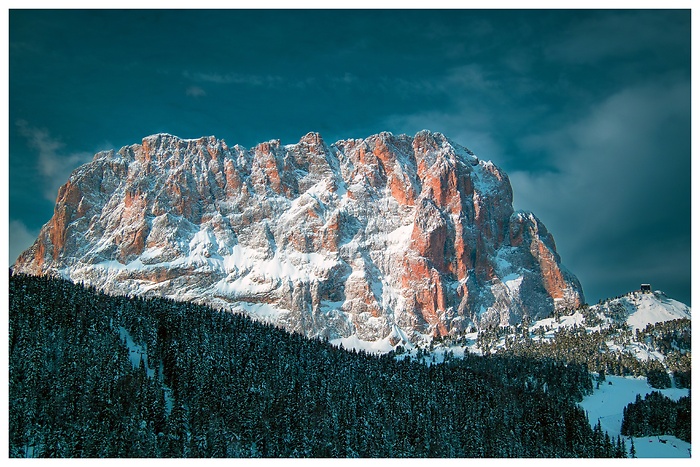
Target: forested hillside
{"points": [[216, 384]]}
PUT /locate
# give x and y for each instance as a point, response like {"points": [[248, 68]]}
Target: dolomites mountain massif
{"points": [[388, 237]]}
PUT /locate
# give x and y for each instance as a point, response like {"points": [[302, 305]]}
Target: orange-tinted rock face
{"points": [[57, 232], [131, 244], [39, 255], [360, 237], [552, 276], [430, 233], [330, 234], [398, 178], [428, 296], [67, 204], [360, 298], [527, 232], [462, 262], [267, 165]]}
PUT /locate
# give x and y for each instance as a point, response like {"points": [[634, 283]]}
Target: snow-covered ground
{"points": [[380, 346], [607, 403], [355, 343], [136, 352], [655, 308], [653, 446]]}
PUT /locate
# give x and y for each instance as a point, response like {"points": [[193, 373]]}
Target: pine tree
{"points": [[633, 451]]}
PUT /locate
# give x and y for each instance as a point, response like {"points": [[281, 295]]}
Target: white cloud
{"points": [[267, 80], [620, 142], [21, 238], [195, 91], [235, 78], [54, 165]]}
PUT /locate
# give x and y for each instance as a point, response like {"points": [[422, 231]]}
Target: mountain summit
{"points": [[383, 237]]}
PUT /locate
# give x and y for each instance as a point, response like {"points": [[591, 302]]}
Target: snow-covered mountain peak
{"points": [[386, 236]]}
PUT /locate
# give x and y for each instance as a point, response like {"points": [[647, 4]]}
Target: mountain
{"points": [[387, 237]]}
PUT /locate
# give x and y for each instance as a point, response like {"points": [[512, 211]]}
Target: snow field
{"points": [[607, 403]]}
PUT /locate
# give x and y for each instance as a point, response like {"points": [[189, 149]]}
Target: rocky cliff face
{"points": [[383, 237]]}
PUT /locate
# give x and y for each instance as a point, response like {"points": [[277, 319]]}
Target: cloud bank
{"points": [[53, 163]]}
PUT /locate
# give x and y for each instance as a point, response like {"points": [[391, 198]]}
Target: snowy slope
{"points": [[635, 308], [654, 447], [655, 308], [607, 403]]}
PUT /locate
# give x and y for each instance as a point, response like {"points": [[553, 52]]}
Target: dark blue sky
{"points": [[587, 111]]}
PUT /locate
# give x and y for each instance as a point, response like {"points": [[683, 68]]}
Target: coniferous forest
{"points": [[657, 415], [216, 384]]}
